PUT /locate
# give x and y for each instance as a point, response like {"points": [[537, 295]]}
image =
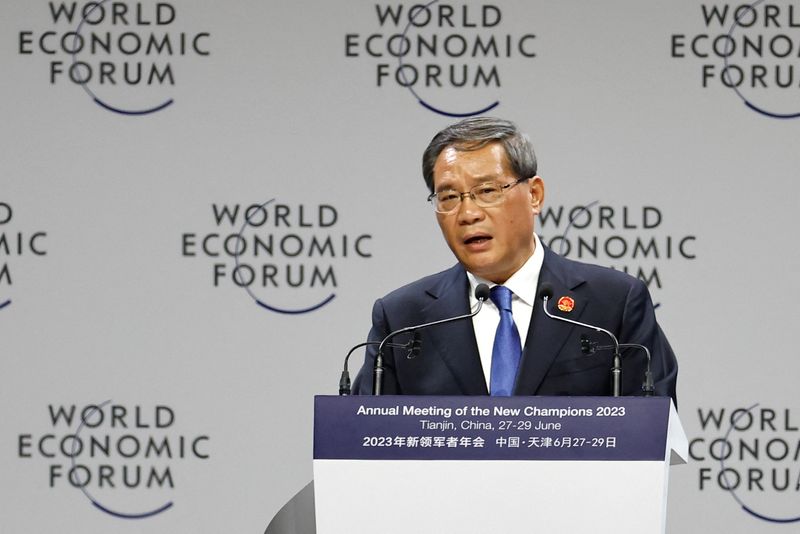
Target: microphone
{"points": [[481, 294], [412, 346], [648, 387], [545, 294]]}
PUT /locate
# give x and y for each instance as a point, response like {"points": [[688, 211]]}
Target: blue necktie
{"points": [[507, 349]]}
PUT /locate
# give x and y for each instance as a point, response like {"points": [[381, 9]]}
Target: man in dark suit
{"points": [[484, 189]]}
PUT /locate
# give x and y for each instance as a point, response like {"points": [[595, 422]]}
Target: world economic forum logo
{"points": [[127, 460], [289, 257], [751, 453], [122, 54], [17, 244], [750, 49], [631, 238], [452, 59]]}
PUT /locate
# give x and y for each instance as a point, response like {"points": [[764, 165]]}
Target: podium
{"points": [[403, 464]]}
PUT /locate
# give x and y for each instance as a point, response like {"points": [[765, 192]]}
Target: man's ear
{"points": [[537, 194]]}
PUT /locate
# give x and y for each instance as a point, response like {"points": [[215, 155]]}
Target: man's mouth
{"points": [[477, 239]]}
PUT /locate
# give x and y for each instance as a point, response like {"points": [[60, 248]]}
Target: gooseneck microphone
{"points": [[545, 294], [648, 386], [481, 294], [413, 347]]}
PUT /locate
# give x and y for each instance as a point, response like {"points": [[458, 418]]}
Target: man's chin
{"points": [[485, 270]]}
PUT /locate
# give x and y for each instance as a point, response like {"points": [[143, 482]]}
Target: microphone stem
{"points": [[616, 375], [377, 379], [648, 388], [616, 370], [344, 380], [377, 372]]}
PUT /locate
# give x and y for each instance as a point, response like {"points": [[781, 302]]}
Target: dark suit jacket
{"points": [[552, 362]]}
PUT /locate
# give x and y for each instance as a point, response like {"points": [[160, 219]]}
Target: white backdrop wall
{"points": [[123, 201]]}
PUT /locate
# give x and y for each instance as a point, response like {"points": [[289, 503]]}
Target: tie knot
{"points": [[501, 296]]}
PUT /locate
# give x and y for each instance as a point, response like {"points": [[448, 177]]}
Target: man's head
{"points": [[491, 235]]}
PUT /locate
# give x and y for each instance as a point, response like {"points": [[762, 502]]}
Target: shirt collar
{"points": [[523, 282]]}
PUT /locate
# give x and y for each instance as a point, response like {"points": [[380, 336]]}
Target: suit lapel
{"points": [[455, 342], [546, 336]]}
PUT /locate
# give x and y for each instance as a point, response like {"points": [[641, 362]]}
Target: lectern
{"points": [[403, 464]]}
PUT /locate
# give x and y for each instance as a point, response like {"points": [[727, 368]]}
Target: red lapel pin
{"points": [[566, 304]]}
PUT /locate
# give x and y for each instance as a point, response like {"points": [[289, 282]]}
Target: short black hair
{"points": [[475, 133]]}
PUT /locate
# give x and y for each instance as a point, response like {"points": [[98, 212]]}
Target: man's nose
{"points": [[468, 211]]}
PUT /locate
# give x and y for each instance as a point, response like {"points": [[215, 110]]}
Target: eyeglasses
{"points": [[483, 195]]}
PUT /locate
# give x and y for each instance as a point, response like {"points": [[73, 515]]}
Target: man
{"points": [[484, 189]]}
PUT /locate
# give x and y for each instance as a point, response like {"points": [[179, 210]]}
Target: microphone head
{"points": [[482, 292], [546, 291]]}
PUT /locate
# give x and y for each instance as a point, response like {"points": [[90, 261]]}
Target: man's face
{"points": [[492, 242]]}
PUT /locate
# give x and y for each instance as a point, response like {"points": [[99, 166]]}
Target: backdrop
{"points": [[201, 200]]}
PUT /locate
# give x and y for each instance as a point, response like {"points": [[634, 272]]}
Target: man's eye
{"points": [[487, 189], [444, 196]]}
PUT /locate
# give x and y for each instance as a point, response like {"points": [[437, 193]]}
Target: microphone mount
{"points": [[616, 370], [648, 386], [413, 346]]}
